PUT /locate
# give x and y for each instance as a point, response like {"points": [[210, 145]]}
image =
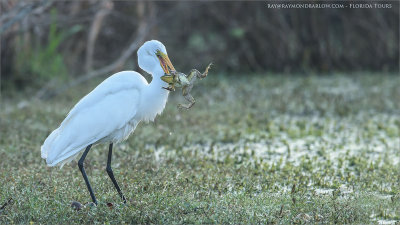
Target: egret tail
{"points": [[57, 151]]}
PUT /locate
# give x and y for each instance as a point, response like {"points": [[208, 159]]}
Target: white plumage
{"points": [[111, 112]]}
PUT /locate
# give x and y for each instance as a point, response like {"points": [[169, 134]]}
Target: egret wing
{"points": [[108, 108]]}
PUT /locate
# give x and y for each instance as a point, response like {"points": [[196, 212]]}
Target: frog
{"points": [[186, 82]]}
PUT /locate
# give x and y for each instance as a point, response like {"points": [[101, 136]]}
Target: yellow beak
{"points": [[165, 63]]}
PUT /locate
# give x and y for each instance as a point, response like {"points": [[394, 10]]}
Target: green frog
{"points": [[186, 82]]}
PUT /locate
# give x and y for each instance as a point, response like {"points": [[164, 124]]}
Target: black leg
{"points": [[82, 169], [111, 174]]}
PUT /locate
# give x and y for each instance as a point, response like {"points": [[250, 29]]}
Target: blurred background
{"points": [[45, 43]]}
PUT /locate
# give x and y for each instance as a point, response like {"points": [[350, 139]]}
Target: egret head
{"points": [[153, 57]]}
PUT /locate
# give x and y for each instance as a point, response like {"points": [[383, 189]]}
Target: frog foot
{"points": [[206, 71], [169, 88], [180, 106]]}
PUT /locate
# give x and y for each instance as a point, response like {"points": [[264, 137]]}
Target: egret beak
{"points": [[165, 62]]}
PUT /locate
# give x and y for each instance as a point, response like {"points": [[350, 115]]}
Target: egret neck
{"points": [[156, 96]]}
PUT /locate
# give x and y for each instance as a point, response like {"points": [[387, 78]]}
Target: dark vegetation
{"points": [[45, 39]]}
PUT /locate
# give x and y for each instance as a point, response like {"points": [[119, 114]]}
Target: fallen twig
{"points": [[5, 204]]}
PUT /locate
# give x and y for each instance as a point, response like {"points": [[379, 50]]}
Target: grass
{"points": [[267, 149]]}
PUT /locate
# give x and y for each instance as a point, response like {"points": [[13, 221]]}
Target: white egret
{"points": [[111, 112]]}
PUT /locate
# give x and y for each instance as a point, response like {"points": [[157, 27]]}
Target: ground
{"points": [[267, 148]]}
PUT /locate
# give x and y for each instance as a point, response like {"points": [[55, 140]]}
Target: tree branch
{"points": [[142, 31], [106, 7]]}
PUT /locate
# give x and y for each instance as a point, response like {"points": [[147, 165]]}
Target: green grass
{"points": [[233, 158]]}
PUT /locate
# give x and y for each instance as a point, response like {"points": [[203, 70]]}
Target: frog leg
{"points": [[195, 74], [188, 97], [191, 101], [170, 80], [171, 87], [206, 71]]}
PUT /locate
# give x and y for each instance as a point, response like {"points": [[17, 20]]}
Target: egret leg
{"points": [[82, 169], [111, 174]]}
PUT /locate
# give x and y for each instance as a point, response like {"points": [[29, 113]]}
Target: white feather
{"points": [[110, 112]]}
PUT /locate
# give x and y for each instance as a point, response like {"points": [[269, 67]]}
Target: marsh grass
{"points": [[264, 149]]}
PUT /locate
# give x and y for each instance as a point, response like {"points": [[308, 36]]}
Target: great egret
{"points": [[111, 112]]}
